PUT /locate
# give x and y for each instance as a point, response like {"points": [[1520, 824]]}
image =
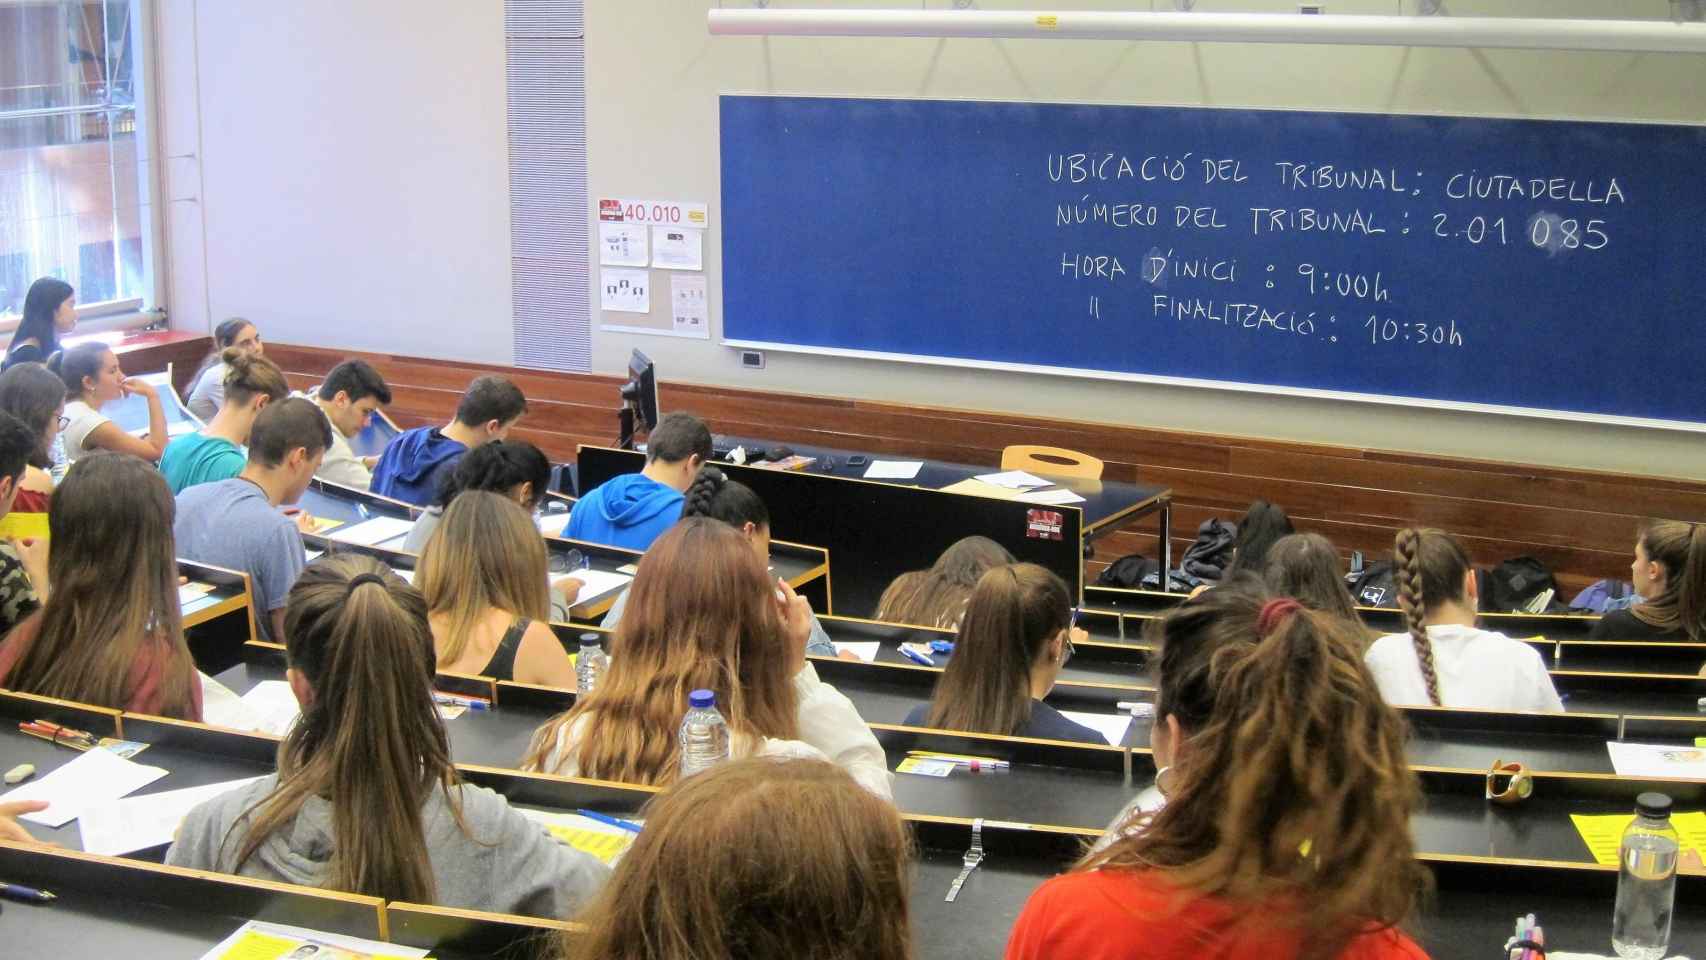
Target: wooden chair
{"points": [[1051, 461]]}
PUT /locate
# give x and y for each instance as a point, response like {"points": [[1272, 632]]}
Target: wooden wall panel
{"points": [[1582, 523]]}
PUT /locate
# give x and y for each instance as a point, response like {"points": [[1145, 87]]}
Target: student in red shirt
{"points": [[1286, 828]]}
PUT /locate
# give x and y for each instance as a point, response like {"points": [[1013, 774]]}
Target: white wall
{"points": [[351, 171], [354, 183]]}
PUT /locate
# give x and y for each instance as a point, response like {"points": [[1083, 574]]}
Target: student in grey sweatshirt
{"points": [[400, 825]]}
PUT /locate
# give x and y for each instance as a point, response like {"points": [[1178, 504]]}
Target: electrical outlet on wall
{"points": [[1311, 8], [752, 359]]}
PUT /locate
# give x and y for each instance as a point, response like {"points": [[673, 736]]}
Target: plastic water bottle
{"points": [[1646, 881], [590, 664], [704, 735]]}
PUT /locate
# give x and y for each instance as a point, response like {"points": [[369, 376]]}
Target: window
{"points": [[74, 199]]}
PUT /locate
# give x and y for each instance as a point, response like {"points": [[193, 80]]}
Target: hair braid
{"points": [[1407, 561], [703, 492]]}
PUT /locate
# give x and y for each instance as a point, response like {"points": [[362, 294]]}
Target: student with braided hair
{"points": [[1444, 659]]}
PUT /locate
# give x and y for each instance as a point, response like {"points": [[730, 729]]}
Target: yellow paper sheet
{"points": [[605, 846], [1603, 833], [24, 526], [261, 946], [322, 524]]}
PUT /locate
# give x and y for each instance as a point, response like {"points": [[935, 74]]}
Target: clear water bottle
{"points": [[590, 664], [1646, 881], [704, 735]]}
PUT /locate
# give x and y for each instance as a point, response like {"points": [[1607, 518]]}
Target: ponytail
{"points": [[371, 742], [1013, 613], [714, 495], [1295, 788], [1681, 549], [1691, 597], [1412, 599]]}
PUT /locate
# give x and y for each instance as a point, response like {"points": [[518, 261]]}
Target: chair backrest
{"points": [[1051, 461]]}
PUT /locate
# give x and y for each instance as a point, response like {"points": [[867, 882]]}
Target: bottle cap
{"points": [[703, 699], [1655, 805], [591, 640]]}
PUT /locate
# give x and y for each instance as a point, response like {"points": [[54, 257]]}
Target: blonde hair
{"points": [[758, 858], [1013, 614], [701, 614], [937, 597], [485, 554]]}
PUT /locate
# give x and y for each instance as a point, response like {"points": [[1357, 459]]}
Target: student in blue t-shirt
{"points": [[636, 508], [1014, 640], [410, 467], [216, 452], [237, 524]]}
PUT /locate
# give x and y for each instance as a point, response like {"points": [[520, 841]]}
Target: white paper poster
{"points": [[628, 291], [678, 248], [621, 245], [669, 213], [689, 305]]}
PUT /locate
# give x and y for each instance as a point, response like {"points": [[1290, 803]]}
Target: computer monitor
{"points": [[639, 399]]}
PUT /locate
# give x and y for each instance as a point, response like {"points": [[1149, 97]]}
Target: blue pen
{"points": [[13, 891], [916, 657], [361, 508], [628, 825], [446, 700]]}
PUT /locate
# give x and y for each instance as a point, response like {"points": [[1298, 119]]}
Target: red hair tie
{"points": [[1272, 613]]}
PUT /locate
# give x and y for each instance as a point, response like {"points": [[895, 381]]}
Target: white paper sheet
{"points": [[1054, 497], [1013, 480], [348, 948], [1111, 726], [626, 291], [678, 248], [552, 524], [598, 583], [369, 533], [622, 245], [270, 707], [93, 777], [893, 469], [689, 305], [407, 575], [865, 650], [137, 823], [1657, 760]]}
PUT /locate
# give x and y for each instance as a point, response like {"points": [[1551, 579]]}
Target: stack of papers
{"points": [[270, 707], [1014, 480], [1657, 760], [369, 533], [597, 583], [90, 779], [151, 820], [1112, 727]]}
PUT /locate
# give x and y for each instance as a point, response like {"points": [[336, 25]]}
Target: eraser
{"points": [[20, 773]]}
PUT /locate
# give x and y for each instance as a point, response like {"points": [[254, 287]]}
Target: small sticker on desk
{"points": [[1044, 524]]}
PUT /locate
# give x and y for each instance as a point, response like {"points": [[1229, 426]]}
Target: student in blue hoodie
{"points": [[410, 467], [636, 508]]}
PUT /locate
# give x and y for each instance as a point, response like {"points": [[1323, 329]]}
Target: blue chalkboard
{"points": [[1542, 265]]}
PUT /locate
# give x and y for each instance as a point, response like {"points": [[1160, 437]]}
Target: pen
{"points": [[916, 657], [628, 825], [447, 700], [973, 762], [13, 891], [1135, 706], [361, 508]]}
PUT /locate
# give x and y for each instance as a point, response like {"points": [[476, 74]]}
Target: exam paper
{"points": [[552, 524], [270, 707], [1055, 497], [272, 941], [1112, 727], [1013, 480], [597, 583], [865, 650], [92, 777], [585, 834], [372, 532], [151, 820], [1657, 760], [893, 469]]}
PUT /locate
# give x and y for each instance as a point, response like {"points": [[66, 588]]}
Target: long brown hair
{"points": [[701, 615], [1292, 785], [1681, 549], [486, 553], [115, 589], [1430, 567], [1306, 566], [1012, 615], [758, 858], [371, 741], [937, 597], [248, 376]]}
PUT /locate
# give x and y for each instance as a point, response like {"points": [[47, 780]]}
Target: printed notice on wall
{"points": [[678, 248], [690, 306], [664, 213], [621, 245], [626, 291]]}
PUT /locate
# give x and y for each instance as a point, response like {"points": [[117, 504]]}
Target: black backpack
{"points": [[1128, 572], [1375, 586], [1513, 586], [1211, 553]]}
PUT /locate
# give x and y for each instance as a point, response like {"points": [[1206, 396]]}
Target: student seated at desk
{"points": [[1259, 529], [413, 462], [207, 387], [1305, 567], [1015, 639], [937, 597], [110, 633], [236, 523], [706, 614], [93, 379], [634, 509], [35, 395], [1669, 567], [483, 576], [758, 858], [1444, 659], [514, 468], [350, 395], [366, 799], [50, 309], [714, 495], [1286, 829], [23, 562], [216, 451]]}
